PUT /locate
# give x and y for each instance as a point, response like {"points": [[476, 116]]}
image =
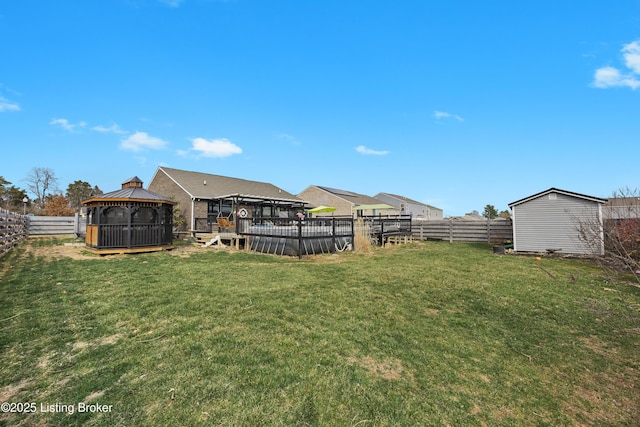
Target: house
{"points": [[204, 199], [344, 201], [617, 208], [553, 220], [406, 206]]}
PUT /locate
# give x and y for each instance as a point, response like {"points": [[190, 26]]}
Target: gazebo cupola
{"points": [[129, 220]]}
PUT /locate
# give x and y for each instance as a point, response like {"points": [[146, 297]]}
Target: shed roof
{"points": [[559, 191], [201, 185]]}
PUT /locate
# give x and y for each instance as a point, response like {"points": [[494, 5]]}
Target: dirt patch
{"points": [[185, 251], [9, 392], [80, 252], [390, 369], [60, 251], [109, 340], [93, 396]]}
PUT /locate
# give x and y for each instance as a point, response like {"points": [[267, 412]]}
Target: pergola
{"points": [[129, 220]]}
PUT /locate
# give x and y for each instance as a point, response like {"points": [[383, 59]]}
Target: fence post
{"points": [[299, 237], [450, 231], [488, 230], [333, 233]]}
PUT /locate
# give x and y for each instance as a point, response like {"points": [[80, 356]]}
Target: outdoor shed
{"points": [[552, 221], [129, 220]]}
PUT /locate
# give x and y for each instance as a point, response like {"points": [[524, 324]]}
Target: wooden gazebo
{"points": [[129, 220]]}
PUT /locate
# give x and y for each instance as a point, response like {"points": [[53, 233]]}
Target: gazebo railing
{"points": [[129, 236]]}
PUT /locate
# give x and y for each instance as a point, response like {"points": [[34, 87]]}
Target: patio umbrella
{"points": [[378, 206], [321, 209]]}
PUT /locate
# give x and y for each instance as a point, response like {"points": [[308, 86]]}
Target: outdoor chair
{"points": [[223, 223]]}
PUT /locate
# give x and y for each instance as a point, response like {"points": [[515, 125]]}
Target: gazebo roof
{"points": [[131, 191]]}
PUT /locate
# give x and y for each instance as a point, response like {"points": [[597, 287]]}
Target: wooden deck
{"points": [[227, 238], [113, 251]]}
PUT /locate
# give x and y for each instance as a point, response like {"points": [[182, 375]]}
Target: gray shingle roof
{"points": [[208, 186], [355, 198], [405, 199]]}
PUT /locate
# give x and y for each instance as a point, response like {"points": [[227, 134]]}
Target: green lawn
{"points": [[420, 334]]}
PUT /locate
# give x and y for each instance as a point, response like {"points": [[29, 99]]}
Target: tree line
{"points": [[46, 197]]}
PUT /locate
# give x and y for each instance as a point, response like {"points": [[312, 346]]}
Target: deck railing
{"points": [[382, 227], [297, 236]]}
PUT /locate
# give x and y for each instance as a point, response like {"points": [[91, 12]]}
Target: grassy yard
{"points": [[421, 334]]}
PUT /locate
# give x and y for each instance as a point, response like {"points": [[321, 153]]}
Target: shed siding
{"points": [[546, 223]]}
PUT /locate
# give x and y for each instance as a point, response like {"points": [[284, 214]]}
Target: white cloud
{"points": [[606, 77], [6, 105], [221, 147], [631, 53], [368, 151], [444, 115], [140, 141], [114, 128], [289, 138], [172, 3], [64, 124]]}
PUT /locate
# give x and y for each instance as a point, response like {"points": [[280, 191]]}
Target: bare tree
{"points": [[39, 182], [618, 231]]}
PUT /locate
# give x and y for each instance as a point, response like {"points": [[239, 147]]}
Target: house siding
{"points": [[417, 210], [164, 185], [318, 197], [551, 222]]}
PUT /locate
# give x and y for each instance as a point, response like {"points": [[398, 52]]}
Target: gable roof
{"points": [[403, 199], [201, 185], [350, 196], [559, 191]]}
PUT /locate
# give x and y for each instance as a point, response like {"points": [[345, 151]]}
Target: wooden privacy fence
{"points": [[490, 231], [49, 225], [13, 229]]}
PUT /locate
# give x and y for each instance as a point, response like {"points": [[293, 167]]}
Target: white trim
{"points": [[193, 214], [171, 178]]}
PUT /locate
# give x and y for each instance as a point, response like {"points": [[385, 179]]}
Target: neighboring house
{"points": [[551, 221], [472, 216], [344, 201], [203, 198], [406, 206], [621, 208]]}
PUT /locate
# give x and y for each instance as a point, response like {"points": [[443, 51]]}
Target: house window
{"points": [[213, 208], [217, 209], [553, 196]]}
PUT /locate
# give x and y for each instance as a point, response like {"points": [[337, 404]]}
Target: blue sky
{"points": [[458, 104]]}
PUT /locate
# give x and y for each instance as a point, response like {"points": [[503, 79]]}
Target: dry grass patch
{"points": [[389, 369], [10, 392]]}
